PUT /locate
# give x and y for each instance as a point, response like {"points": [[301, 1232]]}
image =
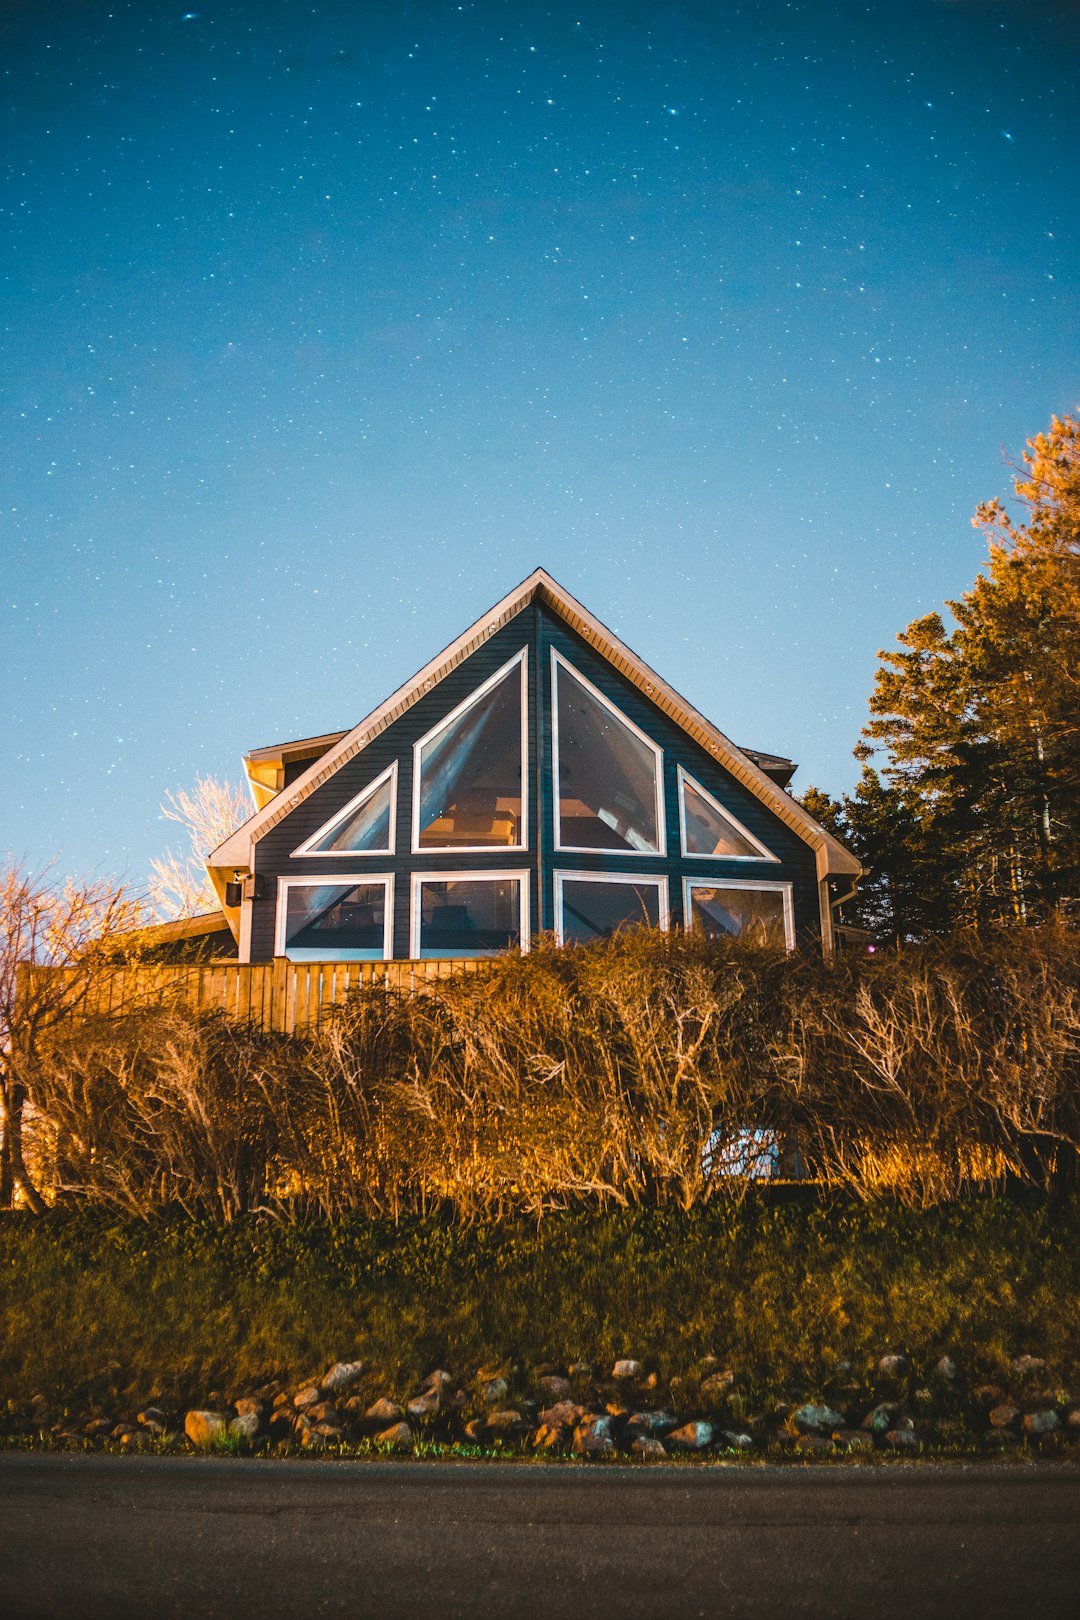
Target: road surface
{"points": [[118, 1537]]}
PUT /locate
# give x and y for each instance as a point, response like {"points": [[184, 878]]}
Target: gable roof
{"points": [[832, 858]]}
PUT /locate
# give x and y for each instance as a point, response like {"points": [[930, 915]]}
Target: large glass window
{"points": [[337, 919], [594, 906], [709, 829], [759, 913], [469, 789], [364, 827], [456, 914], [608, 774]]}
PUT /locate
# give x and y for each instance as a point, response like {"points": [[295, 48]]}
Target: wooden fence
{"points": [[288, 996]]}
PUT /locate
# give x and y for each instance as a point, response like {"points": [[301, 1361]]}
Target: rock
{"points": [[250, 1403], [647, 1445], [592, 1438], [310, 1395], [332, 1433], [626, 1370], [96, 1426], [494, 1391], [693, 1436], [246, 1426], [989, 1394], [563, 1415], [312, 1441], [1073, 1419], [814, 1444], [733, 1440], [554, 1386], [1037, 1423], [640, 1424], [892, 1366], [342, 1376], [580, 1370], [878, 1419], [947, 1370], [424, 1406], [902, 1440], [399, 1437], [383, 1412], [202, 1428], [816, 1418], [1025, 1365], [853, 1440], [1004, 1415], [716, 1386], [504, 1425], [153, 1420], [437, 1380], [322, 1412]]}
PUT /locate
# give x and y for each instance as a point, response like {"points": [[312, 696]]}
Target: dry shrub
{"points": [[654, 1069]]}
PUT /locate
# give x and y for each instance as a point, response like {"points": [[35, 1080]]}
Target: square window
{"points": [[465, 914], [334, 919], [592, 906], [761, 913]]}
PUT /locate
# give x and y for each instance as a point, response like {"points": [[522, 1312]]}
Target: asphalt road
{"points": [[84, 1537]]}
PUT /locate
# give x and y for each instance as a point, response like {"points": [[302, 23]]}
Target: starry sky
{"points": [[323, 324]]}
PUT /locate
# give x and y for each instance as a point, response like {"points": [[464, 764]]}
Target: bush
{"points": [[656, 1069]]}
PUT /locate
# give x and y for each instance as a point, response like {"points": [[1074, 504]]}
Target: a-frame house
{"points": [[536, 776]]}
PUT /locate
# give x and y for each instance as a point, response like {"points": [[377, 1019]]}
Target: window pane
{"points": [[366, 827], [756, 915], [471, 773], [607, 775], [707, 831], [596, 910], [325, 922], [470, 917]]}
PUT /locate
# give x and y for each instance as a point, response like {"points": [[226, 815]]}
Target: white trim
{"points": [[725, 815], [658, 753], [657, 879], [520, 875], [304, 850], [758, 885], [474, 697], [331, 880]]}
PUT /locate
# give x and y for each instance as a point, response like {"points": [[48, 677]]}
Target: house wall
{"points": [[538, 629]]}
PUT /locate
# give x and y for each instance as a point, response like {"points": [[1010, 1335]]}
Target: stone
{"points": [[853, 1440], [97, 1426], [250, 1403], [554, 1386], [312, 1441], [694, 1436], [202, 1428], [1025, 1365], [424, 1406], [816, 1418], [892, 1366], [580, 1370], [647, 1445], [715, 1387], [494, 1392], [989, 1394], [331, 1432], [341, 1377], [547, 1438], [947, 1370], [879, 1418], [626, 1370], [505, 1424], [398, 1437], [640, 1424], [437, 1380], [246, 1425], [1073, 1419], [733, 1440], [384, 1412], [814, 1445], [153, 1420], [592, 1437], [1038, 1423], [310, 1395], [1004, 1415], [902, 1440], [563, 1415]]}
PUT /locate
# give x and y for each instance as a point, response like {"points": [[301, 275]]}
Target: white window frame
{"points": [[521, 658], [658, 880], [305, 851], [520, 875], [351, 880], [658, 753], [759, 885], [725, 815]]}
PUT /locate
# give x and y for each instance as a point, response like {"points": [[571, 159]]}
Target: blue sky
{"points": [[325, 324]]}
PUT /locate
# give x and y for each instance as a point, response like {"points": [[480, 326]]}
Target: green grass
{"points": [[779, 1289]]}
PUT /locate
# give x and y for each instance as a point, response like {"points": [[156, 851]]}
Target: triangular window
{"points": [[608, 774], [711, 831], [364, 827], [469, 771]]}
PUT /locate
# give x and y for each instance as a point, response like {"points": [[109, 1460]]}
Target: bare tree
{"points": [[179, 885], [56, 937]]}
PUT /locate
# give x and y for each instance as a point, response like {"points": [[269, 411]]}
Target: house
{"points": [[535, 777]]}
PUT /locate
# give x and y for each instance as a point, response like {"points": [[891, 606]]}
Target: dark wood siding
{"points": [[538, 629]]}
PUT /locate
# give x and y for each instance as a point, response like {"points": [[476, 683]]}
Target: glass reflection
{"points": [[606, 795]]}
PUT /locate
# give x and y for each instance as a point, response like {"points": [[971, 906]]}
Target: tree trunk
{"points": [[14, 1176]]}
